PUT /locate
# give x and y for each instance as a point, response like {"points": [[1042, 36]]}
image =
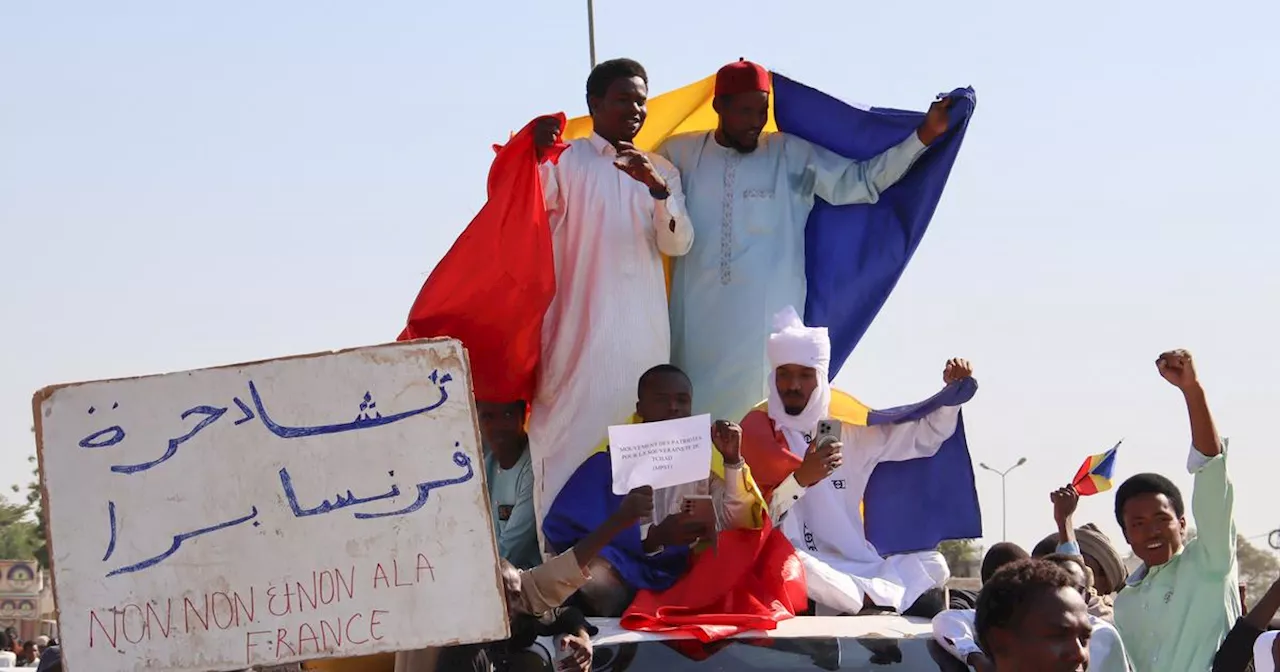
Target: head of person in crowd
{"points": [[50, 659], [1152, 515], [998, 556], [1031, 618], [618, 98], [1074, 566], [742, 103], [664, 393], [799, 392], [502, 427], [1100, 556]]}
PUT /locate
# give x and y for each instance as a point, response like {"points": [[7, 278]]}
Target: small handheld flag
{"points": [[1094, 475]]}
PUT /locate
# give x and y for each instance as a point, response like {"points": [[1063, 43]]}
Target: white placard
{"points": [[317, 506], [660, 454]]}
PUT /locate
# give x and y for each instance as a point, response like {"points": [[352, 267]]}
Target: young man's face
{"points": [[620, 112], [501, 424], [665, 396], [795, 385], [1053, 636], [1152, 528]]}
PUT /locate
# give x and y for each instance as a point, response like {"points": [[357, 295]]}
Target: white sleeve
{"points": [[671, 225], [1263, 658], [784, 497], [1106, 649], [896, 443], [953, 631]]}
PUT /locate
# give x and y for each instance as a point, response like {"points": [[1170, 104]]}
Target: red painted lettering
{"points": [[332, 594], [424, 563], [249, 644], [327, 629], [380, 573], [164, 625], [231, 611], [350, 639], [304, 595], [349, 584], [374, 623], [247, 609], [124, 623], [111, 636], [307, 634], [281, 633], [272, 596], [395, 571], [189, 609]]}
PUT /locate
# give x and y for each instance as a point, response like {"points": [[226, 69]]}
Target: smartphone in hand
{"points": [[829, 427]]}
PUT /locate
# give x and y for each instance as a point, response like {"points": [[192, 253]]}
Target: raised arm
{"points": [[842, 181], [908, 440], [738, 502], [1065, 500], [1213, 496]]}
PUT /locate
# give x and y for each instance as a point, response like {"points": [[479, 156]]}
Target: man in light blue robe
{"points": [[749, 194]]}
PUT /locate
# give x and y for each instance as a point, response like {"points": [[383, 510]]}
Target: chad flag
{"points": [[492, 288], [1094, 475]]}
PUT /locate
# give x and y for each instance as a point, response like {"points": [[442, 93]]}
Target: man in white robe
{"points": [[614, 211], [749, 196], [816, 490]]}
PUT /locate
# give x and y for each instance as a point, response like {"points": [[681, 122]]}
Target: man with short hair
{"points": [[656, 553], [508, 473], [749, 195], [816, 484], [614, 212], [1177, 608], [1032, 618]]}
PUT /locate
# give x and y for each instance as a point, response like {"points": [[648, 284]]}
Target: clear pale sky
{"points": [[200, 183]]}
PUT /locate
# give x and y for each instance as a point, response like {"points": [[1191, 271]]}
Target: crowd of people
{"points": [[41, 653], [788, 479]]}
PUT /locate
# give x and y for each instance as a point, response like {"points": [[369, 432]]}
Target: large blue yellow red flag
{"points": [[1094, 475], [845, 296]]}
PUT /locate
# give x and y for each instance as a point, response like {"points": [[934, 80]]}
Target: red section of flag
{"points": [[492, 288], [752, 580], [1083, 474]]}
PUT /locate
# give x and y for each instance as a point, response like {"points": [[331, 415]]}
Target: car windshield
{"points": [[777, 655]]}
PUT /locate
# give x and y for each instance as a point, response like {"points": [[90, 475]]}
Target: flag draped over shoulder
{"points": [[493, 286], [846, 297]]}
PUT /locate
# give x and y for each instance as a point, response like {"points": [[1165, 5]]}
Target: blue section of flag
{"points": [[854, 255], [584, 504], [1107, 466]]}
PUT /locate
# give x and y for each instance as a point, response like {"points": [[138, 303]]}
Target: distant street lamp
{"points": [[1004, 499]]}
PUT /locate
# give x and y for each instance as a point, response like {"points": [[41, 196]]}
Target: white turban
{"points": [[794, 343]]}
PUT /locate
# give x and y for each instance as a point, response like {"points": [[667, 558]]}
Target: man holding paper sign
{"points": [[658, 556]]}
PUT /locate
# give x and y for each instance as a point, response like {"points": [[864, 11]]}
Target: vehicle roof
{"points": [[888, 626]]}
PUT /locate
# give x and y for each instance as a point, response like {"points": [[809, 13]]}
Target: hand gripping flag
{"points": [[493, 286], [1094, 475]]}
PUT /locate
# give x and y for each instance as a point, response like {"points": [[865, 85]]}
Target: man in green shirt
{"points": [[1177, 608]]}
